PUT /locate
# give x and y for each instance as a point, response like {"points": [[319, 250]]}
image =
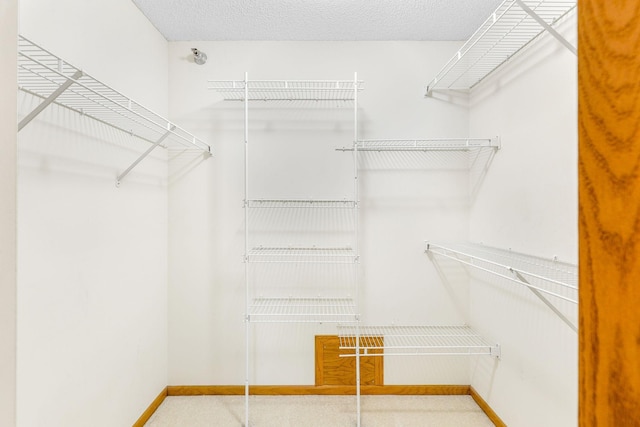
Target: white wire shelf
{"points": [[434, 144], [47, 76], [318, 255], [513, 25], [303, 310], [300, 203], [286, 90], [415, 341], [542, 275]]}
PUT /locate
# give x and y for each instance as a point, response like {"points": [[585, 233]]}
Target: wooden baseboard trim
{"points": [[495, 419], [299, 390], [151, 409]]}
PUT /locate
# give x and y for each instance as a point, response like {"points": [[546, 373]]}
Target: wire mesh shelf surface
{"points": [[42, 74], [287, 90], [334, 255], [434, 144], [300, 203], [503, 34], [414, 340], [301, 310], [549, 276]]}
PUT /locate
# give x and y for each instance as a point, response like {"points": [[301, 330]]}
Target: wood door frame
{"points": [[609, 212]]}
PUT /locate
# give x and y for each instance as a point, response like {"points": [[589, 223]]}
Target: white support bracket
{"points": [[44, 104], [544, 300], [145, 154], [496, 351], [547, 27]]}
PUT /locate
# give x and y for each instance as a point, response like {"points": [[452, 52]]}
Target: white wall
{"points": [[8, 174], [528, 202], [405, 200], [92, 258]]}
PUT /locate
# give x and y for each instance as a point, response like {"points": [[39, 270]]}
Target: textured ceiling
{"points": [[185, 20]]}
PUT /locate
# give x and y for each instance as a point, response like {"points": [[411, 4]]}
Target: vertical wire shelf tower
{"points": [[336, 310]]}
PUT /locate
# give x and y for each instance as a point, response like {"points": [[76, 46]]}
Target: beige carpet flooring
{"points": [[320, 411]]}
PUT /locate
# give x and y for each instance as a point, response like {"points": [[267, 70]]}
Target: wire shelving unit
{"points": [[433, 144], [549, 276], [548, 279], [55, 81], [296, 308], [300, 204], [513, 25], [415, 341], [317, 255], [302, 310], [286, 90]]}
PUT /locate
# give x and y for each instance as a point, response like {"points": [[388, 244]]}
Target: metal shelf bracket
{"points": [[143, 155], [496, 351], [44, 104], [547, 27], [544, 299]]}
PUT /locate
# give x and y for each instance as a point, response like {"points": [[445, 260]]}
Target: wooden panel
{"points": [[331, 369], [151, 409], [609, 215], [299, 390]]}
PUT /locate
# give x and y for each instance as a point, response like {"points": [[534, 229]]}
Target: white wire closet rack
{"points": [[513, 25], [415, 341], [543, 275], [275, 226], [44, 75], [433, 144], [300, 204], [303, 310], [286, 90], [318, 255]]}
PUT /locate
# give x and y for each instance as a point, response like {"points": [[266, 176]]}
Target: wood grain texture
{"points": [[300, 390], [151, 409], [609, 212], [331, 369], [495, 419]]}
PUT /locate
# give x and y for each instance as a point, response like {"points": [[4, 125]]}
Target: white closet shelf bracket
{"points": [[47, 76], [511, 27], [143, 155], [545, 278]]}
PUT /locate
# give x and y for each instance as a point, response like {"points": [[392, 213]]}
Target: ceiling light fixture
{"points": [[199, 57]]}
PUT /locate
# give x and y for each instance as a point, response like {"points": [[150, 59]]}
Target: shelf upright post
{"points": [[356, 213], [246, 246]]}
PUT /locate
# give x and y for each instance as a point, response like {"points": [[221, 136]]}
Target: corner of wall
{"points": [[8, 242]]}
